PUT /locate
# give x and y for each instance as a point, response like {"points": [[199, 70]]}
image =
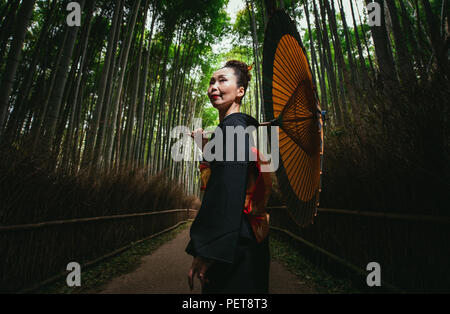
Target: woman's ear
{"points": [[241, 92]]}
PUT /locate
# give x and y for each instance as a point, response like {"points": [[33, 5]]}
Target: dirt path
{"points": [[165, 272]]}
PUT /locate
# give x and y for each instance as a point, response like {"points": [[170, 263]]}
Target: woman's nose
{"points": [[213, 88]]}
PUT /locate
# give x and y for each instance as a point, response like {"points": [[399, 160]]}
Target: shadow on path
{"points": [[165, 272]]}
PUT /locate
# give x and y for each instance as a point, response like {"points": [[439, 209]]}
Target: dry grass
{"points": [[396, 160], [29, 193]]}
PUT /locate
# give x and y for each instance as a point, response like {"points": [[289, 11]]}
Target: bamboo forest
{"points": [[91, 91]]}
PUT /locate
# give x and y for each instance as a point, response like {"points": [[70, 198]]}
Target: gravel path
{"points": [[165, 272]]}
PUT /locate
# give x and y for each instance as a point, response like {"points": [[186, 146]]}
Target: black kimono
{"points": [[221, 230]]}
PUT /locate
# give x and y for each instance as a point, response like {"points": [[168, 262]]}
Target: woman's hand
{"points": [[199, 266], [196, 136]]}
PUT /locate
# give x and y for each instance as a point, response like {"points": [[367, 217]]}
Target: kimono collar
{"points": [[249, 120]]}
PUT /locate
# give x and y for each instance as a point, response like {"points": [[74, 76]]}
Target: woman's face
{"points": [[223, 89]]}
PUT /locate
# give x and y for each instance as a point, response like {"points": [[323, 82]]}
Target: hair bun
{"points": [[243, 68]]}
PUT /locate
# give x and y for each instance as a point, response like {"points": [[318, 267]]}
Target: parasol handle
{"points": [[268, 123]]}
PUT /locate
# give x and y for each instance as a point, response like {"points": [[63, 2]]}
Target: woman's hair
{"points": [[242, 72]]}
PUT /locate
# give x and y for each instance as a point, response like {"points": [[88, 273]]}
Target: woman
{"points": [[228, 256]]}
